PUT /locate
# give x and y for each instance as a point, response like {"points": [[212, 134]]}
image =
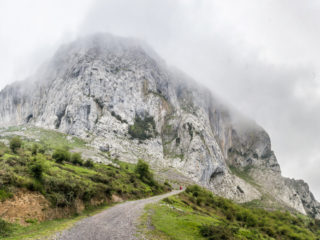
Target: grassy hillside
{"points": [[42, 162], [198, 214]]}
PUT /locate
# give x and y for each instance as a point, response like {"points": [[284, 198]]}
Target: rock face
{"points": [[312, 207], [121, 97]]}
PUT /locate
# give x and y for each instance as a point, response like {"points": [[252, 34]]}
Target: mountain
{"points": [[121, 97]]}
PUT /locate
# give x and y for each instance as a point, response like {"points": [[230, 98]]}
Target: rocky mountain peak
{"points": [[118, 92]]}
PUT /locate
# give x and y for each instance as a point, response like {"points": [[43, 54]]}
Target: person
{"points": [[180, 187]]}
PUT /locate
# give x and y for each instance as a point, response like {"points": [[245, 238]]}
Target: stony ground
{"points": [[116, 223]]}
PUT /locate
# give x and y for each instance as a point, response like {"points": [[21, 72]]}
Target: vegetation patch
{"points": [[15, 144], [144, 173], [143, 128], [118, 117], [65, 178], [244, 175], [198, 214], [53, 139], [170, 140], [5, 194], [5, 228]]}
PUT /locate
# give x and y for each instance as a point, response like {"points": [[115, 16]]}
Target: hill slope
{"points": [[197, 214], [120, 96], [47, 177]]}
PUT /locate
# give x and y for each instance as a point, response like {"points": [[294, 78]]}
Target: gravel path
{"points": [[116, 223]]}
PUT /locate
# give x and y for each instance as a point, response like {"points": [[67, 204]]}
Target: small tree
{"points": [[142, 169], [76, 159], [15, 144], [61, 155]]}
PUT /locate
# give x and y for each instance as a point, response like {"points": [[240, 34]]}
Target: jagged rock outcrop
{"points": [[311, 206], [118, 93]]}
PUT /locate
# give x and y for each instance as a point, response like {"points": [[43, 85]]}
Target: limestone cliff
{"points": [[121, 97]]}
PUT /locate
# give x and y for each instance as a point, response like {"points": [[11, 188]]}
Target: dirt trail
{"points": [[116, 223]]}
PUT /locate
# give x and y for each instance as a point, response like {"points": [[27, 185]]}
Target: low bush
{"points": [[143, 128], [61, 155], [5, 228], [42, 149], [5, 194], [167, 185], [144, 173], [76, 159], [36, 168], [213, 232], [15, 144], [88, 163]]}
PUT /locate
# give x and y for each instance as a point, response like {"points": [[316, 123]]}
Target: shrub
{"points": [[142, 169], [108, 192], [58, 199], [269, 231], [3, 149], [76, 159], [146, 176], [213, 232], [15, 144], [42, 150], [167, 185], [89, 163], [31, 220], [100, 178], [34, 149], [5, 194], [142, 128], [36, 169], [61, 155], [168, 200], [199, 195], [5, 228], [118, 117], [34, 185], [64, 191]]}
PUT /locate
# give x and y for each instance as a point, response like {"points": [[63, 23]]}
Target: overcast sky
{"points": [[262, 56]]}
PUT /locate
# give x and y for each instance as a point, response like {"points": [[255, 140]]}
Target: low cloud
{"points": [[261, 57]]}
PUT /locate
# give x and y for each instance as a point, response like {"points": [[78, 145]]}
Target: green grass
{"points": [[5, 194], [59, 180], [55, 139], [198, 214], [47, 138], [178, 225]]}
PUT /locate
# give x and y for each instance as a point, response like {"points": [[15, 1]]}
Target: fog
{"points": [[259, 56]]}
